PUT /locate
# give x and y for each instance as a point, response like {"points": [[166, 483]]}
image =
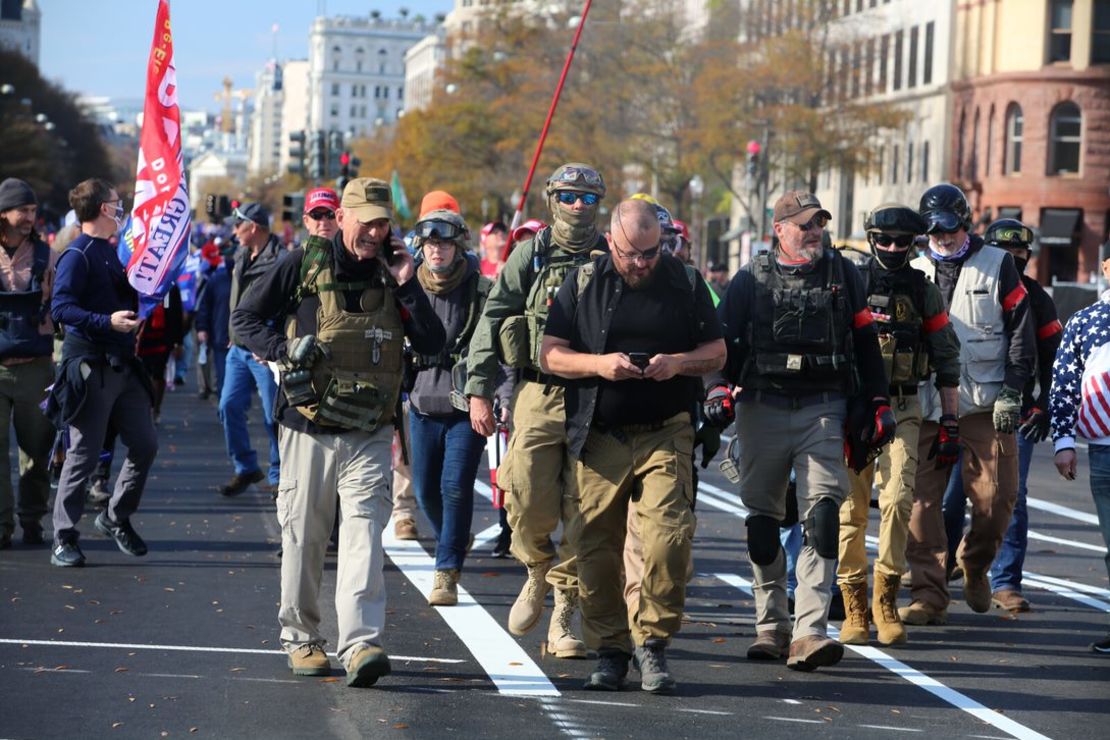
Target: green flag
{"points": [[400, 202]]}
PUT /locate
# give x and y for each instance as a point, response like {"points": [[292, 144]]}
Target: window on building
{"points": [[869, 69], [960, 145], [830, 82], [385, 92], [990, 143], [894, 166], [1011, 154], [1065, 137], [925, 161], [400, 93], [377, 92], [354, 111], [1059, 31], [11, 10], [354, 91], [909, 161], [973, 165], [845, 73], [335, 111], [927, 68], [911, 70], [857, 71], [335, 88], [898, 60], [358, 65], [335, 65], [879, 169], [1100, 33], [884, 55]]}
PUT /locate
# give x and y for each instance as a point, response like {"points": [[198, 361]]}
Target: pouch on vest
{"points": [[803, 317], [352, 401], [512, 339], [899, 361]]}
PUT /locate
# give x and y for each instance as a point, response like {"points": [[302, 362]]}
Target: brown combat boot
{"points": [[561, 641], [884, 609], [855, 628], [977, 589], [919, 613], [445, 588], [528, 606]]}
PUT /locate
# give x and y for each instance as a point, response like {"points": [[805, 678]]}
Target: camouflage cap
{"points": [[368, 199], [576, 176]]}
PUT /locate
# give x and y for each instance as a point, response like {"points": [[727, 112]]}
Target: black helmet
{"points": [[944, 208], [1009, 232], [895, 218]]}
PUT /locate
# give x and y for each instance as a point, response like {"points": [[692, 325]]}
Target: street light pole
{"points": [[697, 190]]}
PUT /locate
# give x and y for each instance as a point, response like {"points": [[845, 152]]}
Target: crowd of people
{"points": [[384, 365]]}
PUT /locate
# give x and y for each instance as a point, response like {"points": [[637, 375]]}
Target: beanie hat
{"points": [[15, 193], [438, 200]]}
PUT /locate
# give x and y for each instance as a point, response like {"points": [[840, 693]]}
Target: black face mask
{"points": [[892, 260], [1021, 262]]}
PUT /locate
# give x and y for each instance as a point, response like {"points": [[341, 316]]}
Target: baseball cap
{"points": [[255, 212], [494, 226], [529, 227], [368, 199], [798, 207], [438, 200], [320, 198]]}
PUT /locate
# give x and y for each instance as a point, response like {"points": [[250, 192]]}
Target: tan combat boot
{"points": [[884, 609], [445, 588], [855, 627], [561, 642], [528, 606]]}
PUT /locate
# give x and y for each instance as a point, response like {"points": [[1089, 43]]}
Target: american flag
{"points": [[1080, 398]]}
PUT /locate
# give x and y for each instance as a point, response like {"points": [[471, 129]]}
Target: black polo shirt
{"points": [[666, 317]]}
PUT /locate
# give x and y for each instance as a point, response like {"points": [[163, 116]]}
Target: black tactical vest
{"points": [[800, 329], [897, 303]]}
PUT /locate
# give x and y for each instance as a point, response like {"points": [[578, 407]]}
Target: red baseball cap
{"points": [[321, 197]]}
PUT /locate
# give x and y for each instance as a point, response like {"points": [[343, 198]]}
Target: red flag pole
{"points": [[547, 123]]}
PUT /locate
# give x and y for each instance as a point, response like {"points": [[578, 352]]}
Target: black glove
{"points": [[709, 437], [718, 409], [1007, 410], [1035, 425], [946, 445], [883, 426], [302, 353]]}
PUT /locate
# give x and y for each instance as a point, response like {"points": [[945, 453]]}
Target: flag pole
{"points": [[547, 122]]}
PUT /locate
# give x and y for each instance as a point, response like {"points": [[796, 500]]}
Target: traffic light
{"points": [[225, 206], [316, 155], [297, 152], [344, 170], [335, 150], [754, 150], [292, 207], [210, 206]]}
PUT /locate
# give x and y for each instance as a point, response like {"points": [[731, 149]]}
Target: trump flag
{"points": [[158, 232]]}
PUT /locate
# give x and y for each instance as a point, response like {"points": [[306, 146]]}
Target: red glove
{"points": [[883, 429], [717, 408], [946, 445]]}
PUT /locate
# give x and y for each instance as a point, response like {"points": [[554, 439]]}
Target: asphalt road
{"points": [[183, 642]]}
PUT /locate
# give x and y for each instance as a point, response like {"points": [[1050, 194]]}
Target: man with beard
{"points": [[914, 336], [538, 472], [633, 334], [989, 307], [800, 341]]}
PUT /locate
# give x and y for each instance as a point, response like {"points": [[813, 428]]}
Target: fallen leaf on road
{"points": [[400, 726], [237, 670], [120, 669], [718, 640], [331, 679], [192, 729], [116, 724]]}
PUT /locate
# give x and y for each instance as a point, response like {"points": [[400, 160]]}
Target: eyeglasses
{"points": [[817, 221], [568, 197], [439, 229], [436, 244], [638, 255], [320, 214], [578, 174], [901, 241]]}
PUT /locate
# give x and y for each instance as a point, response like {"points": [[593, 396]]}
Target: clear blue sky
{"points": [[100, 47]]}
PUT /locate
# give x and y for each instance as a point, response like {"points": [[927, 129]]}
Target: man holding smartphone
{"points": [[334, 315], [100, 377], [632, 332]]}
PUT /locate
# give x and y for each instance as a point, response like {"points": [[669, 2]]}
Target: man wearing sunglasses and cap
{"points": [[243, 374], [989, 308], [320, 205], [801, 340], [914, 336], [538, 471], [333, 315]]}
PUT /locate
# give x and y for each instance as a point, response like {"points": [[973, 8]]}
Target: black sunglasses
{"points": [[902, 240], [320, 214]]}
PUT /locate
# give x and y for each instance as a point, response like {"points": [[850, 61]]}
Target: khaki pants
{"points": [[317, 472], [634, 562], [404, 499], [652, 467], [22, 387], [897, 469], [539, 479], [811, 441], [990, 473]]}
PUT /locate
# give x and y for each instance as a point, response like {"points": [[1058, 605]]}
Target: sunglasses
{"points": [[577, 174], [568, 197], [320, 214], [439, 229], [817, 221], [901, 241]]}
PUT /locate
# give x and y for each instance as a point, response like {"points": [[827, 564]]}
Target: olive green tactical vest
{"points": [[358, 385]]}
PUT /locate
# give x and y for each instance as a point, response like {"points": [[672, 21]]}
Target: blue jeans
{"points": [[243, 376], [954, 506], [1006, 571], [1099, 458], [218, 358], [445, 457], [181, 367]]}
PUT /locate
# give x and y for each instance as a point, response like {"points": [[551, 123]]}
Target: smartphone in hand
{"points": [[639, 359]]}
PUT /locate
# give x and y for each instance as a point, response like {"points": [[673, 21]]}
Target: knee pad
{"points": [[822, 528], [763, 539]]}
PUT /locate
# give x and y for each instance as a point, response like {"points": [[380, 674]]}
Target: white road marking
{"points": [[601, 703], [1059, 510], [1070, 543], [43, 669], [1068, 592], [713, 712], [917, 678], [510, 668], [796, 719], [1095, 590], [893, 729], [194, 649]]}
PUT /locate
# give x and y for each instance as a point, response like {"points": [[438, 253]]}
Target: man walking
{"points": [[633, 333], [26, 369]]}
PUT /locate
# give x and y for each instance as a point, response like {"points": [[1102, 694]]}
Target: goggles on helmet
{"points": [[574, 175], [438, 229], [895, 220], [943, 222], [1011, 236]]}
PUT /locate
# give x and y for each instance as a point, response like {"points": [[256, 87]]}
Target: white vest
{"points": [[976, 315]]}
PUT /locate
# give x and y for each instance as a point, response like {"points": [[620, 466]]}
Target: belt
{"points": [[535, 376], [652, 426], [903, 390], [782, 401]]}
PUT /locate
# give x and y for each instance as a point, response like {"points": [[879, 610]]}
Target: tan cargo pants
{"points": [[990, 473], [652, 467], [897, 470], [634, 562], [404, 499], [539, 478]]}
